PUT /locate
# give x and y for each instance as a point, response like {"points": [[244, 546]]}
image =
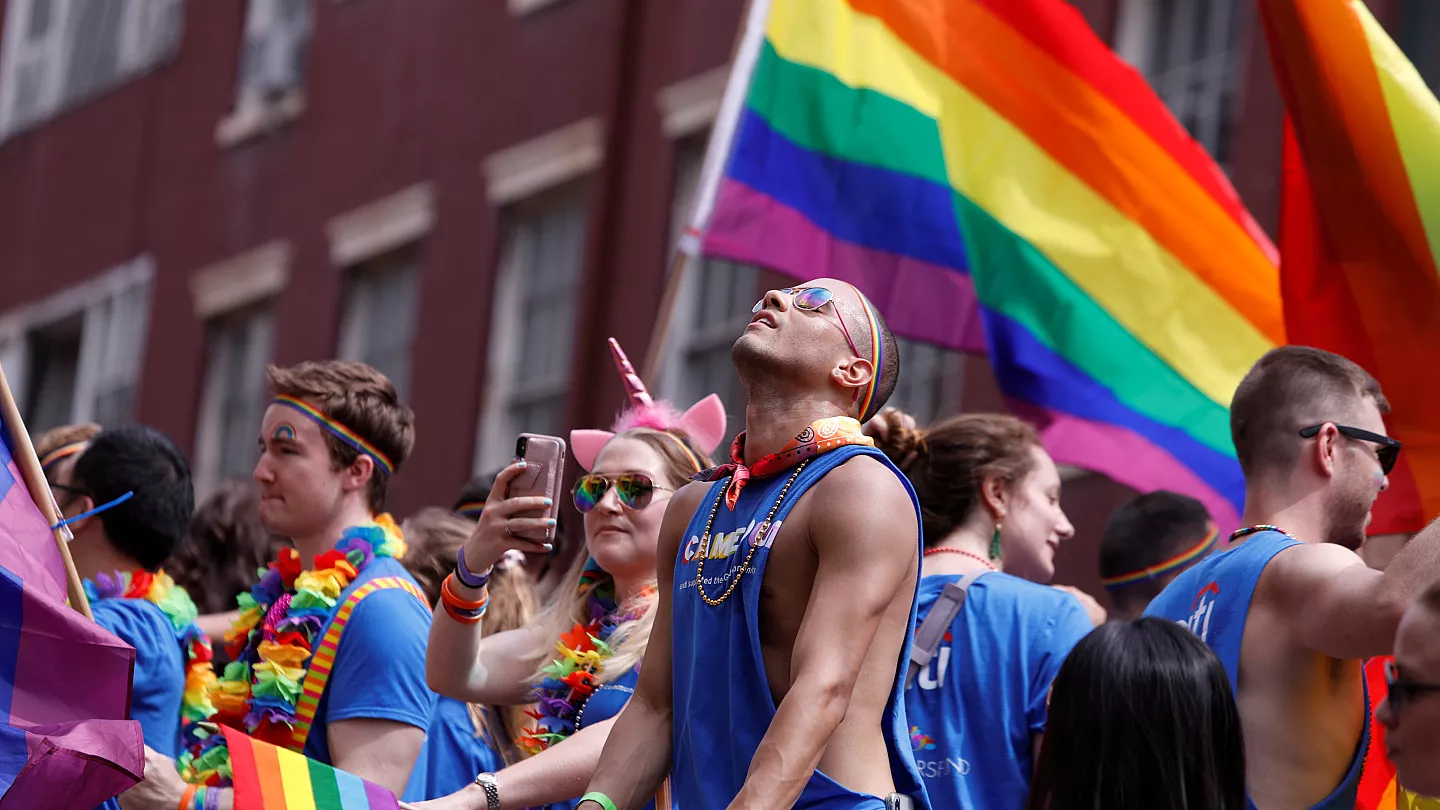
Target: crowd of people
{"points": [[837, 608]]}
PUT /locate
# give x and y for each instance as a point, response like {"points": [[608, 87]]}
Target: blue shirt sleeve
{"points": [[159, 680], [1062, 632], [379, 671]]}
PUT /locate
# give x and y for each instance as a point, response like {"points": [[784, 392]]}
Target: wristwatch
{"points": [[491, 786]]}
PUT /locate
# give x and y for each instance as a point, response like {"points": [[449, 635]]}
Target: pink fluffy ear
{"points": [[705, 423], [585, 445]]}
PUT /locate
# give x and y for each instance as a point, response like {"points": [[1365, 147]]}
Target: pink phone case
{"points": [[544, 468]]}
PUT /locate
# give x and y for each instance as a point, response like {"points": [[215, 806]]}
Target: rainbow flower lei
{"points": [[160, 590], [573, 677], [271, 642]]}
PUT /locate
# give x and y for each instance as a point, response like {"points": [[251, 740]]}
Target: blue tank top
{"points": [[722, 700], [1212, 598]]}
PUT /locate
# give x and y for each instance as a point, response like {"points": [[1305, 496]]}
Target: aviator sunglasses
{"points": [[1388, 452], [635, 490], [811, 299]]}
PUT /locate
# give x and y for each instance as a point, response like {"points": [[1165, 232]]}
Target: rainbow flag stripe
{"points": [[954, 157], [267, 777], [1360, 225]]}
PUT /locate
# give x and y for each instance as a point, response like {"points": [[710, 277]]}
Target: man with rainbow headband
{"points": [[1290, 608], [774, 673], [328, 655], [127, 501]]}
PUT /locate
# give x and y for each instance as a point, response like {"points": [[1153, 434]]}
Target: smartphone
{"points": [[544, 458]]}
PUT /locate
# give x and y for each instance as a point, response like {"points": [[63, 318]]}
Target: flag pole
{"points": [[29, 466], [747, 52]]}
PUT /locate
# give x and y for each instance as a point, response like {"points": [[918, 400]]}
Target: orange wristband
{"points": [[449, 597], [187, 801]]}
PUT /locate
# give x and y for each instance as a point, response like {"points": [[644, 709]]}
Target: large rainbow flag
{"points": [[1360, 228], [991, 162]]}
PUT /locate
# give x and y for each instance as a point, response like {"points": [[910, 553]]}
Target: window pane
{"points": [[382, 300], [1194, 66], [54, 368]]}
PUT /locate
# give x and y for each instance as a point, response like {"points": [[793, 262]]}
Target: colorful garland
{"points": [[573, 677], [270, 643], [161, 591]]}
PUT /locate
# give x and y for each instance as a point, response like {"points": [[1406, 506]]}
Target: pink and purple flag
{"points": [[64, 680]]}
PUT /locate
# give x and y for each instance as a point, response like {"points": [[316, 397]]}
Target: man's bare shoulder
{"points": [[1302, 576], [862, 500]]}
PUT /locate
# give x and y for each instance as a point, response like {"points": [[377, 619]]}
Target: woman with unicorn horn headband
{"points": [[579, 659]]}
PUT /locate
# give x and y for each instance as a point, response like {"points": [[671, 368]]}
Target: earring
{"points": [[995, 542]]}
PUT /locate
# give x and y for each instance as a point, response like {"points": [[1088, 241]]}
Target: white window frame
{"points": [[943, 379], [255, 114], [354, 327], [112, 344]]}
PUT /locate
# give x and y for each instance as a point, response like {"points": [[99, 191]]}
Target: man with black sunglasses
{"points": [[1289, 607], [1411, 712]]}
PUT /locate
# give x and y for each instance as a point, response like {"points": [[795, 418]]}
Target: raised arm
{"points": [[861, 525], [1341, 608], [461, 661], [637, 755]]}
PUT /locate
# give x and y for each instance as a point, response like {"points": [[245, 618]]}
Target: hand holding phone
{"points": [[544, 458], [524, 504]]}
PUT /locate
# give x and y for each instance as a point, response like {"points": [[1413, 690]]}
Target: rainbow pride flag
{"points": [[990, 165], [1360, 223], [267, 777]]}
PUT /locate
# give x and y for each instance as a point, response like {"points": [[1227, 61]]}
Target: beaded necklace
{"points": [[161, 591], [754, 543], [930, 552], [1256, 529]]}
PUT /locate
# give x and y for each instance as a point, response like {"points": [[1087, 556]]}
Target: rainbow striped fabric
{"points": [[944, 154], [1360, 229], [267, 777]]}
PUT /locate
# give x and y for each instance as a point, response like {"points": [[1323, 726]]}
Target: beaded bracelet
{"points": [[212, 799], [468, 579]]}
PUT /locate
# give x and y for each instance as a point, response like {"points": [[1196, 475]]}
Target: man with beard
{"points": [[787, 585], [1290, 608]]}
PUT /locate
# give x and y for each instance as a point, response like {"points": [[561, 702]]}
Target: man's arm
{"points": [[1341, 608], [379, 751], [861, 524], [636, 758]]}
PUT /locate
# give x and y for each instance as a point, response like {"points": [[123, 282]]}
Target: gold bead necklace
{"points": [[755, 544]]}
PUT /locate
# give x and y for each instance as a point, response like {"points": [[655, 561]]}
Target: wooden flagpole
{"points": [[29, 465], [745, 54]]}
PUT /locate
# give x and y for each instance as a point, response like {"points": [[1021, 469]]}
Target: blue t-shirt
{"points": [[379, 671], [159, 681], [453, 754], [975, 709]]}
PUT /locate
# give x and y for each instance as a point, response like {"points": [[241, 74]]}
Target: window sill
{"points": [[253, 119], [522, 8]]}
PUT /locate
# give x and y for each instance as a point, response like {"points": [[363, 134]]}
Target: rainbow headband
{"points": [[64, 451], [1179, 561], [875, 351], [471, 509], [339, 431]]}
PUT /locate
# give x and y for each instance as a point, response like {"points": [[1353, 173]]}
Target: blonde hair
{"points": [[435, 536], [679, 455]]}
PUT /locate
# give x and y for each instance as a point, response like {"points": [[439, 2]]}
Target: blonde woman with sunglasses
{"points": [[579, 659]]}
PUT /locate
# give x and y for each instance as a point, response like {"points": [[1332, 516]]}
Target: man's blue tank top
{"points": [[722, 700], [1212, 598]]}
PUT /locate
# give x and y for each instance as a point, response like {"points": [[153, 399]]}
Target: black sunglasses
{"points": [[1388, 453], [1402, 692]]}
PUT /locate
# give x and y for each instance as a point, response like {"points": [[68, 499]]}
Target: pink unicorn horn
{"points": [[633, 385]]}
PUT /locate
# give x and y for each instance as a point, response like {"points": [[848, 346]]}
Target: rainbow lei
{"points": [[160, 590], [272, 640], [573, 677]]}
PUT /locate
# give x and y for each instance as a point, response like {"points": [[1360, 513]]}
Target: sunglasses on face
{"points": [[1388, 453], [1403, 692], [635, 490], [811, 299]]}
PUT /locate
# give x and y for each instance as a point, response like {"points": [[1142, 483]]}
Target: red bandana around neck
{"points": [[819, 437]]}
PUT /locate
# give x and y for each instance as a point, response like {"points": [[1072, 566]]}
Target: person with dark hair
{"points": [[991, 639], [470, 503], [1411, 710], [1147, 542], [128, 502], [225, 546], [1141, 717], [775, 673], [1290, 606]]}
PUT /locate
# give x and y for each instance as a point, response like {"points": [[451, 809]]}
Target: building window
{"points": [[77, 356], [711, 308], [533, 324], [931, 383], [1419, 26], [59, 53], [270, 85], [238, 346], [1189, 50], [382, 300]]}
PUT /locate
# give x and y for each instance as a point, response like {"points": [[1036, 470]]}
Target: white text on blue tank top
{"points": [[1204, 606], [930, 678], [722, 546]]}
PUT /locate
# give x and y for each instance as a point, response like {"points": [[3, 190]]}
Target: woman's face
{"points": [[1034, 525], [623, 540]]}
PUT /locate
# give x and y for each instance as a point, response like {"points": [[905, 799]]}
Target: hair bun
{"points": [[897, 437]]}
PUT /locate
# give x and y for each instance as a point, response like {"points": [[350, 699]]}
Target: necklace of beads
{"points": [[754, 544], [1256, 529], [952, 550]]}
